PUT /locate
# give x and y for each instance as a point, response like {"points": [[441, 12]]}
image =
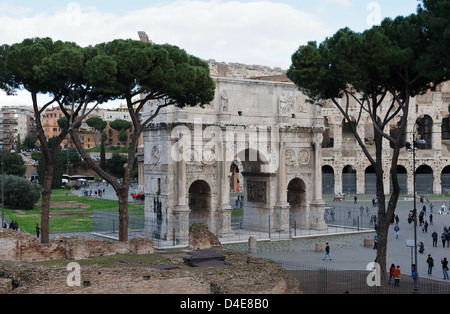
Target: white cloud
{"points": [[18, 12], [252, 32], [257, 32], [344, 3]]}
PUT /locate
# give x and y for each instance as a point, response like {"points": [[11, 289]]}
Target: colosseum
{"points": [[345, 168]]}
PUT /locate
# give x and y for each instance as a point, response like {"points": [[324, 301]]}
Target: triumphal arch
{"points": [[258, 125]]}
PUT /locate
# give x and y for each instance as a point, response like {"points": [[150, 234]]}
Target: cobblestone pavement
{"points": [[349, 252]]}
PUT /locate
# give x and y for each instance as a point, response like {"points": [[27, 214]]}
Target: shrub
{"points": [[20, 193]]}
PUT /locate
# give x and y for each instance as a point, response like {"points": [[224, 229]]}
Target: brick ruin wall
{"points": [[24, 247]]}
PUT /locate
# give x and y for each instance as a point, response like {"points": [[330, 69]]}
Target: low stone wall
{"points": [[24, 247]]}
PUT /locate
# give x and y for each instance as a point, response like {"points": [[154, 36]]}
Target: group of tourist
{"points": [[445, 237], [395, 272], [444, 264], [339, 197], [98, 192], [14, 225]]}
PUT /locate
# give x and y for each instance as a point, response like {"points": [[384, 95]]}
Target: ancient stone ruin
{"points": [[23, 247], [200, 238]]}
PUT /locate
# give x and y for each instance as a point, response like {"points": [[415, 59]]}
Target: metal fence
{"points": [[322, 280], [261, 226], [351, 217]]}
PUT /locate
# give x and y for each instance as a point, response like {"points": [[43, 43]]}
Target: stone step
{"points": [[204, 258]]}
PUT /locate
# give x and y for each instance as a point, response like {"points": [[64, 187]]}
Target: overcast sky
{"points": [[245, 31]]}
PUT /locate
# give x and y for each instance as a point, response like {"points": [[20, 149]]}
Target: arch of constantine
{"points": [[258, 125]]}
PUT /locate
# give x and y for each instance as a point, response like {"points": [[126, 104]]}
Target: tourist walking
{"points": [[430, 263], [444, 263], [434, 236], [397, 276], [327, 252], [391, 273], [396, 229]]}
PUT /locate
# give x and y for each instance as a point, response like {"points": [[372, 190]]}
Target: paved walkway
{"points": [[348, 251], [109, 193]]}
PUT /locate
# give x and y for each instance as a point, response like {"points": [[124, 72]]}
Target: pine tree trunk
{"points": [[45, 206], [123, 214]]}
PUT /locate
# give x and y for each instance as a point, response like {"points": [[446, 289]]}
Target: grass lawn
{"points": [[70, 213]]}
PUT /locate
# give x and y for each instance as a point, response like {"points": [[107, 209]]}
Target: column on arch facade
{"points": [[225, 209], [318, 205], [182, 209]]}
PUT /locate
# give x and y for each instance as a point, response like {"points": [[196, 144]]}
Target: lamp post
{"points": [[414, 214], [416, 272], [3, 185]]}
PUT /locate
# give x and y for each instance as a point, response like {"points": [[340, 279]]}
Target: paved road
{"points": [[348, 251]]}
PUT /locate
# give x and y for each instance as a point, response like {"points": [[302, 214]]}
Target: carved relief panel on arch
{"points": [[291, 104], [297, 158]]}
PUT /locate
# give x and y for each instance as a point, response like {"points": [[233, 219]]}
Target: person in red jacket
{"points": [[391, 273]]}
